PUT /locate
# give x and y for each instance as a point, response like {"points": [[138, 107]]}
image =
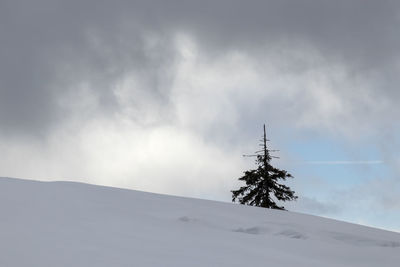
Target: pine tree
{"points": [[262, 182]]}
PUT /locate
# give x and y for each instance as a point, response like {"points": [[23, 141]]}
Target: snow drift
{"points": [[81, 225]]}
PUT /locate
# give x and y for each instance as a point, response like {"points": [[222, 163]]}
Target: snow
{"points": [[81, 225]]}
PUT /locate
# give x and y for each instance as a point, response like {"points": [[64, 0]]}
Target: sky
{"points": [[166, 96]]}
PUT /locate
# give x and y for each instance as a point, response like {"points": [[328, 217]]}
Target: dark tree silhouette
{"points": [[262, 182]]}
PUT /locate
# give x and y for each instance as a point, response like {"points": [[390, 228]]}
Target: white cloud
{"points": [[159, 159]]}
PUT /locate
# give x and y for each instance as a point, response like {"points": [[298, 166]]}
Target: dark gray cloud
{"points": [[52, 47]]}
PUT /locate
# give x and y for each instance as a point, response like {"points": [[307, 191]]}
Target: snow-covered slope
{"points": [[80, 225]]}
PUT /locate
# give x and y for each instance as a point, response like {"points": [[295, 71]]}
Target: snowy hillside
{"points": [[72, 224]]}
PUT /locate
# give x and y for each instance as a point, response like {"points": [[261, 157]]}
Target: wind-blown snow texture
{"points": [[80, 225]]}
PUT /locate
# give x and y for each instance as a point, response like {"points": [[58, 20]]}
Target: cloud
{"points": [[160, 159], [313, 206], [347, 52], [93, 89]]}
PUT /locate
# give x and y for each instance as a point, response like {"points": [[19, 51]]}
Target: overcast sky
{"points": [[166, 96]]}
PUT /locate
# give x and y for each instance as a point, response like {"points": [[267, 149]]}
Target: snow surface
{"points": [[81, 225]]}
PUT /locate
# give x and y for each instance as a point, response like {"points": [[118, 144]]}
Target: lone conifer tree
{"points": [[262, 182]]}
